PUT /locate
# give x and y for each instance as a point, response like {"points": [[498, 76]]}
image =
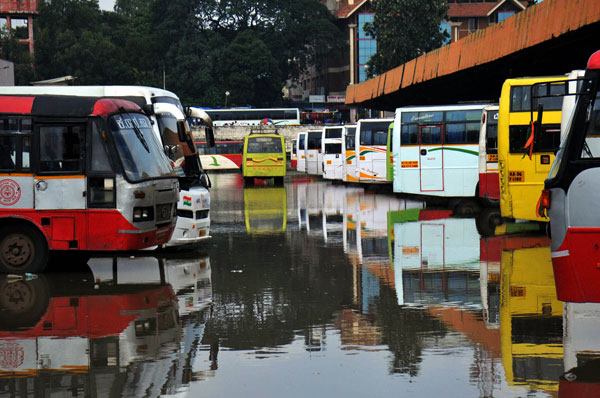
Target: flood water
{"points": [[310, 289]]}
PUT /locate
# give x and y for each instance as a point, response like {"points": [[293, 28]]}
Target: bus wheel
{"points": [[22, 249], [249, 181], [467, 207], [279, 181]]}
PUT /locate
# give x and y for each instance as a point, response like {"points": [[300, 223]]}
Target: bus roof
{"points": [[63, 105], [442, 107], [88, 91], [594, 61]]}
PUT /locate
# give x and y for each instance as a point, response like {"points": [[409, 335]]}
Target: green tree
{"points": [[19, 55], [71, 39], [405, 29]]}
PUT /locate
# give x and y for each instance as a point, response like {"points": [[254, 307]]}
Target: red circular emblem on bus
{"points": [[10, 192], [11, 356]]}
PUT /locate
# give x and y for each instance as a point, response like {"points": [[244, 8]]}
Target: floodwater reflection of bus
{"points": [[581, 322], [114, 330], [508, 236], [531, 320], [265, 210], [436, 258]]}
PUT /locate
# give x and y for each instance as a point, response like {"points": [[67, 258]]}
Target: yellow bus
{"points": [[524, 159], [263, 157]]}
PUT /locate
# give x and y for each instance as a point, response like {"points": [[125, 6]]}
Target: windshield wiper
{"points": [[138, 133]]}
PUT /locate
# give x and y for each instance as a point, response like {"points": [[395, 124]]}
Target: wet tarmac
{"points": [[310, 289]]}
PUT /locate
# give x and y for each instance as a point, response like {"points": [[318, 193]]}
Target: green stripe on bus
{"points": [[351, 157], [447, 148]]}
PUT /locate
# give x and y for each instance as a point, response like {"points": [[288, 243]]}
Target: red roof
{"points": [[345, 12], [475, 9], [469, 9]]}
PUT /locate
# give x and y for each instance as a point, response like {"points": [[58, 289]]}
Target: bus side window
{"points": [[60, 148], [409, 134], [99, 162], [15, 144], [591, 148], [100, 179], [8, 152]]}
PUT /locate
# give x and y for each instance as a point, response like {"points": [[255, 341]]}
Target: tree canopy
{"points": [[197, 48], [404, 29]]}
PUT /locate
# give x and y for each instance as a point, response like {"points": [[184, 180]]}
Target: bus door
{"points": [[60, 183], [431, 162]]}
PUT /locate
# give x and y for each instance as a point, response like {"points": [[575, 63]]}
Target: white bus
{"points": [[314, 156], [331, 147], [171, 128], [349, 151], [371, 150], [254, 116], [301, 152], [436, 150]]}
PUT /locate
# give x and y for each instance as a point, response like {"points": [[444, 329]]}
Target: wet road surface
{"points": [[310, 289]]}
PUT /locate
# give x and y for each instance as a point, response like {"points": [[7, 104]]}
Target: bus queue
{"points": [[112, 168], [533, 156]]}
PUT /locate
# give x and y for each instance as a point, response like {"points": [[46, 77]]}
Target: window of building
{"points": [[445, 27], [20, 28], [502, 15], [473, 24], [367, 45]]}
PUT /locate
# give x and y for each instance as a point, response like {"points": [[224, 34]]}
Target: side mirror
{"points": [[181, 131], [148, 109], [210, 136]]}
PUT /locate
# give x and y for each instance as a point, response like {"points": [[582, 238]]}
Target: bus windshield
{"points": [[141, 156], [264, 145], [176, 150]]}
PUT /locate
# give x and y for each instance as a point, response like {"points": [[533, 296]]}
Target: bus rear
{"points": [[77, 174], [349, 152], [524, 159], [314, 156], [264, 157], [489, 186], [371, 150], [331, 147], [301, 152]]}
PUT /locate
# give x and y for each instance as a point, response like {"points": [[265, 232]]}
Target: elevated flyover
{"points": [[552, 37]]}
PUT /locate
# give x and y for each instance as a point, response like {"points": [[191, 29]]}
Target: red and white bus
{"points": [[572, 191], [225, 155], [80, 173]]}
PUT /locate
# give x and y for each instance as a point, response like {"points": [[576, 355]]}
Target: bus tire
{"points": [[467, 208], [23, 249], [249, 181], [278, 181]]}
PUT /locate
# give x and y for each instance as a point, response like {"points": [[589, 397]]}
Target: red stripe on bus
{"points": [[16, 104]]}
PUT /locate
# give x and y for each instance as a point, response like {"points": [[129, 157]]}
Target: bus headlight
{"points": [[143, 214]]}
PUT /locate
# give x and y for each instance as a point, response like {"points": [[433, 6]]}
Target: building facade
{"points": [[329, 79], [17, 17]]}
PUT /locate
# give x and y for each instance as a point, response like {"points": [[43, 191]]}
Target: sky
{"points": [[106, 4]]}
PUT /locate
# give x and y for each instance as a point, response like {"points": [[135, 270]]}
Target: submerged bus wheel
{"points": [[22, 249]]}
